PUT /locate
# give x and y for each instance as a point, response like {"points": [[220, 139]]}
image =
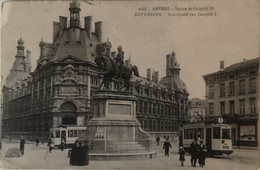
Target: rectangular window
{"points": [[151, 125], [150, 93], [211, 108], [162, 126], [141, 91], [145, 125], [242, 86], [145, 107], [216, 132], [242, 106], [186, 134], [222, 90], [225, 133], [252, 85], [253, 106], [211, 91], [231, 107], [231, 88], [75, 133], [222, 108], [57, 133], [200, 133], [70, 133]]}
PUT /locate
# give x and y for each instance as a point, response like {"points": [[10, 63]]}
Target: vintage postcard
{"points": [[159, 84]]}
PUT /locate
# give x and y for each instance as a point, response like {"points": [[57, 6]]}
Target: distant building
{"points": [[196, 110], [233, 94], [59, 91]]}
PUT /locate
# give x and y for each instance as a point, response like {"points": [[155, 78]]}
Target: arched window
{"points": [[68, 107]]}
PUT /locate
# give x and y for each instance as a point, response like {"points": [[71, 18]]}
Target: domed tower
{"points": [[19, 63], [20, 47], [174, 68], [74, 14]]}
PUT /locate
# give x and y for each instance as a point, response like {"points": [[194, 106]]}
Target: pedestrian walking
{"points": [[51, 145], [182, 155], [42, 140], [202, 154], [158, 139], [194, 149], [22, 142], [37, 141], [166, 147], [62, 144]]}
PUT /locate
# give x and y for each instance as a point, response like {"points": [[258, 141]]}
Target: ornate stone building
{"points": [[233, 94], [59, 91]]}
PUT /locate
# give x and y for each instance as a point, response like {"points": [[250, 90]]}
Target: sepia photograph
{"points": [[135, 85]]}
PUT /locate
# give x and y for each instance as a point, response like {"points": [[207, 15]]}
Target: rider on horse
{"points": [[119, 60]]}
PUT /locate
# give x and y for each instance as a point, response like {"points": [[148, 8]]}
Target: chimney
{"points": [[149, 74], [221, 64], [88, 26], [156, 74], [63, 25], [168, 60], [28, 56], [56, 26], [98, 30]]}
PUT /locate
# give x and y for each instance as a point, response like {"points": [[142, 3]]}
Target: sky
{"points": [[199, 42]]}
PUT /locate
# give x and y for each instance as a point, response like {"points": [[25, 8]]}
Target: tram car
{"points": [[69, 134], [216, 137]]}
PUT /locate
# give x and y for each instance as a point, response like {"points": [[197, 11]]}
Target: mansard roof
{"points": [[176, 82], [84, 49], [236, 66], [145, 82]]}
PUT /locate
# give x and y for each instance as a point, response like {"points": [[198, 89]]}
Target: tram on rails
{"points": [[68, 133], [216, 137]]}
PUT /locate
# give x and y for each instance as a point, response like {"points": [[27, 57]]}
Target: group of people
{"points": [[79, 154], [196, 150]]}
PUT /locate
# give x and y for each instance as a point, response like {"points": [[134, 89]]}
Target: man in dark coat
{"points": [[202, 154], [37, 141], [22, 142], [166, 147], [194, 149], [158, 140]]}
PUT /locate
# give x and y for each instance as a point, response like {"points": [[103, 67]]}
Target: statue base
{"points": [[114, 132]]}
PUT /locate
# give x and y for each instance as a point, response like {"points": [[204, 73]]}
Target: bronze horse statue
{"points": [[110, 71]]}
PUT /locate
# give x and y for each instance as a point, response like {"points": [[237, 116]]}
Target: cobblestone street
{"points": [[40, 158]]}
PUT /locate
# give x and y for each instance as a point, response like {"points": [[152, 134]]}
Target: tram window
{"points": [[70, 134], [57, 133], [225, 133], [186, 134], [201, 133], [216, 133], [191, 134], [52, 134], [75, 133]]}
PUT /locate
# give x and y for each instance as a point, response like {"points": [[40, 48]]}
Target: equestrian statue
{"points": [[115, 68]]}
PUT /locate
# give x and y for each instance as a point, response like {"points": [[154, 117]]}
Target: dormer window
{"points": [[150, 93], [166, 96], [67, 43], [158, 94]]}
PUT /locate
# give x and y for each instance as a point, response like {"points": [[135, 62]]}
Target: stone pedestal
{"points": [[114, 127]]}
